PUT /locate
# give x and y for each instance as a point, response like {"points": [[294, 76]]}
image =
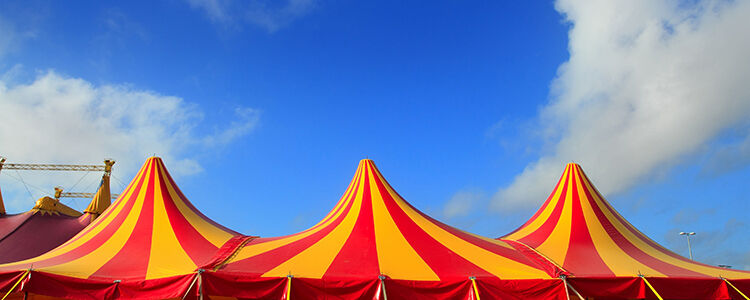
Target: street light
{"points": [[688, 234]]}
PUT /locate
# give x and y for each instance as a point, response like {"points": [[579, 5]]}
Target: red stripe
{"points": [[197, 247], [188, 203], [131, 186], [443, 261], [581, 249], [264, 262], [358, 256], [635, 231], [538, 236], [632, 250], [101, 237], [131, 262], [544, 206]]}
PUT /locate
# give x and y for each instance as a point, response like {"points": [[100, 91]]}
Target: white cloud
{"points": [[647, 83], [461, 204], [57, 119], [268, 15]]}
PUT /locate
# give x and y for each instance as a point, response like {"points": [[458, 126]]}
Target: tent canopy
{"points": [[47, 225], [372, 233], [579, 230], [152, 231]]}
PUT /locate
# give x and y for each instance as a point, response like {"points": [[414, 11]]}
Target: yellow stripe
{"points": [[346, 195], [315, 260], [619, 262], [396, 257], [96, 227], [167, 257], [257, 249], [656, 253], [556, 245], [213, 234], [544, 215], [495, 264], [75, 243], [86, 265]]}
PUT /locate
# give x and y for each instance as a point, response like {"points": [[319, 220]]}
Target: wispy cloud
{"points": [[715, 247], [269, 15], [461, 204], [62, 119], [728, 157], [647, 84], [13, 36]]}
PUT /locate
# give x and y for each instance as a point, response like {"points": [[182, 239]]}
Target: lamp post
{"points": [[688, 234]]}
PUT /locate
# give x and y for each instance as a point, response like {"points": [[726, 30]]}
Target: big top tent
{"points": [[47, 225], [147, 245], [375, 245], [607, 257]]}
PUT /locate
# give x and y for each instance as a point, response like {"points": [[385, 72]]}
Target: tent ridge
{"points": [[227, 251], [552, 268]]}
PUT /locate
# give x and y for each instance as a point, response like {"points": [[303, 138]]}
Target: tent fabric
{"points": [[102, 199], [605, 255], [47, 225], [373, 237], [2, 204], [147, 245], [48, 205]]}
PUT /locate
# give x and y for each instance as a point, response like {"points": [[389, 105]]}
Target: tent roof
{"points": [[47, 225], [373, 231], [578, 229], [152, 231]]}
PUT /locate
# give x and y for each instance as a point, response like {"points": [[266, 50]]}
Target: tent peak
{"points": [[101, 200], [49, 205], [372, 231], [580, 230]]}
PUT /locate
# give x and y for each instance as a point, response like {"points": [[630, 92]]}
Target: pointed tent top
{"points": [[373, 231], [102, 199], [151, 232], [578, 229]]}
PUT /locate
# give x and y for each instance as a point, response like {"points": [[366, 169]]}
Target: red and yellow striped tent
{"points": [[47, 225], [606, 257], [375, 245], [147, 245]]}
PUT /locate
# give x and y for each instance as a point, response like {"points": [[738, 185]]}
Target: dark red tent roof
{"points": [[46, 226]]}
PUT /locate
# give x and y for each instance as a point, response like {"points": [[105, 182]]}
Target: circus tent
{"points": [[375, 245], [47, 225], [607, 257], [147, 245]]}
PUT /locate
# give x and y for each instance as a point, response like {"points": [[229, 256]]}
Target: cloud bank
{"points": [[58, 119], [647, 83]]}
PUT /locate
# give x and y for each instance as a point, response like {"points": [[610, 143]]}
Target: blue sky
{"points": [[471, 110]]}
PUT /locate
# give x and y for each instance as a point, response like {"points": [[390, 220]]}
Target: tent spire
{"points": [[102, 199]]}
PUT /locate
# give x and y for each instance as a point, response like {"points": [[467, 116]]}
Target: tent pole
{"points": [[289, 286], [195, 279], [474, 286], [569, 286], [735, 288], [15, 285], [651, 287], [200, 284], [382, 287]]}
